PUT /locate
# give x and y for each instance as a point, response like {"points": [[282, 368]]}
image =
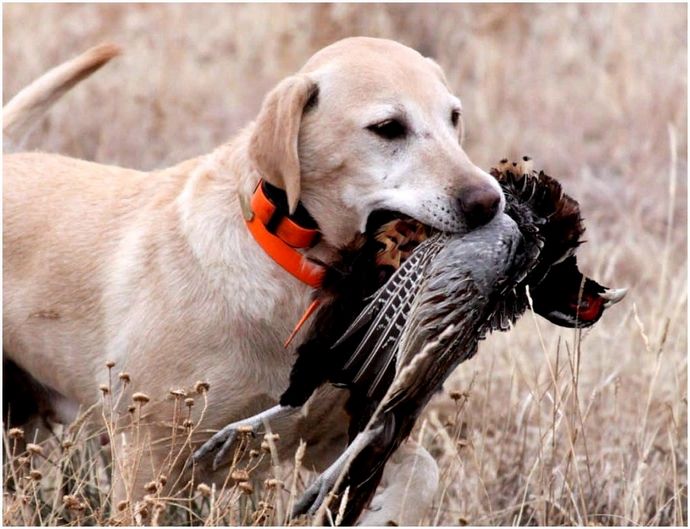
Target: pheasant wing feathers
{"points": [[383, 320]]}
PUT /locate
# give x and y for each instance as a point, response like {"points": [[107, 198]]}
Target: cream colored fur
{"points": [[158, 273]]}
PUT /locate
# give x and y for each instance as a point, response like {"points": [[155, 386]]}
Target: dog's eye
{"points": [[455, 117], [390, 129]]}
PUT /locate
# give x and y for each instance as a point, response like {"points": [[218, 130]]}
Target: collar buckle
{"points": [[246, 207]]}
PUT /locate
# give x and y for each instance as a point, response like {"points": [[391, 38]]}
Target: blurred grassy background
{"points": [[596, 94]]}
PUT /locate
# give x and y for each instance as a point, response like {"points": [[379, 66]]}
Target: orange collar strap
{"points": [[281, 234]]}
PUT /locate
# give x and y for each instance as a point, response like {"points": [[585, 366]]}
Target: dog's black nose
{"points": [[479, 204]]}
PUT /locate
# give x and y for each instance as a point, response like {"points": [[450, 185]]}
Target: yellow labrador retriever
{"points": [[158, 273]]}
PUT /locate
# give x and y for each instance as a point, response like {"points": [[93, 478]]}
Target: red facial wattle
{"points": [[589, 308]]}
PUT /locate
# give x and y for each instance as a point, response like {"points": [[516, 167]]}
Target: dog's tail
{"points": [[21, 113]]}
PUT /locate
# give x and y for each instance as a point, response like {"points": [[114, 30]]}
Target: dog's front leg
{"points": [[408, 486]]}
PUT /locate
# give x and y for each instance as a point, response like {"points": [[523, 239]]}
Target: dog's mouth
{"points": [[380, 217], [398, 233]]}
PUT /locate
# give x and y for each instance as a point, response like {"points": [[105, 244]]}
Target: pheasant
{"points": [[438, 295]]}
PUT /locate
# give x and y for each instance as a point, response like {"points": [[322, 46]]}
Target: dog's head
{"points": [[369, 124]]}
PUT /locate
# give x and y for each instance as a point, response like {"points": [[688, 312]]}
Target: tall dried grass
{"points": [[544, 426]]}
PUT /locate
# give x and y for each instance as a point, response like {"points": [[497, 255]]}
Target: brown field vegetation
{"points": [[547, 426]]}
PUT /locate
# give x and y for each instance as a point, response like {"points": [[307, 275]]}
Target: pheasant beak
{"points": [[613, 295]]}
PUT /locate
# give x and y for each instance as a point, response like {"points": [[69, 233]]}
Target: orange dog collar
{"points": [[281, 234]]}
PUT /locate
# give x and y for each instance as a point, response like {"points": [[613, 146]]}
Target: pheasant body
{"points": [[442, 301], [403, 306]]}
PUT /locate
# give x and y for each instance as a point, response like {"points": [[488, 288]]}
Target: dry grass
{"points": [[549, 427]]}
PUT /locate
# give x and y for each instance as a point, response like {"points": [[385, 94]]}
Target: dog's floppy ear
{"points": [[273, 146]]}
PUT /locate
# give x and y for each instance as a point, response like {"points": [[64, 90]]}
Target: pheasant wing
{"points": [[381, 323]]}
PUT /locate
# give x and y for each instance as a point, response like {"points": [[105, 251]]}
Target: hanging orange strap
{"points": [[307, 314]]}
